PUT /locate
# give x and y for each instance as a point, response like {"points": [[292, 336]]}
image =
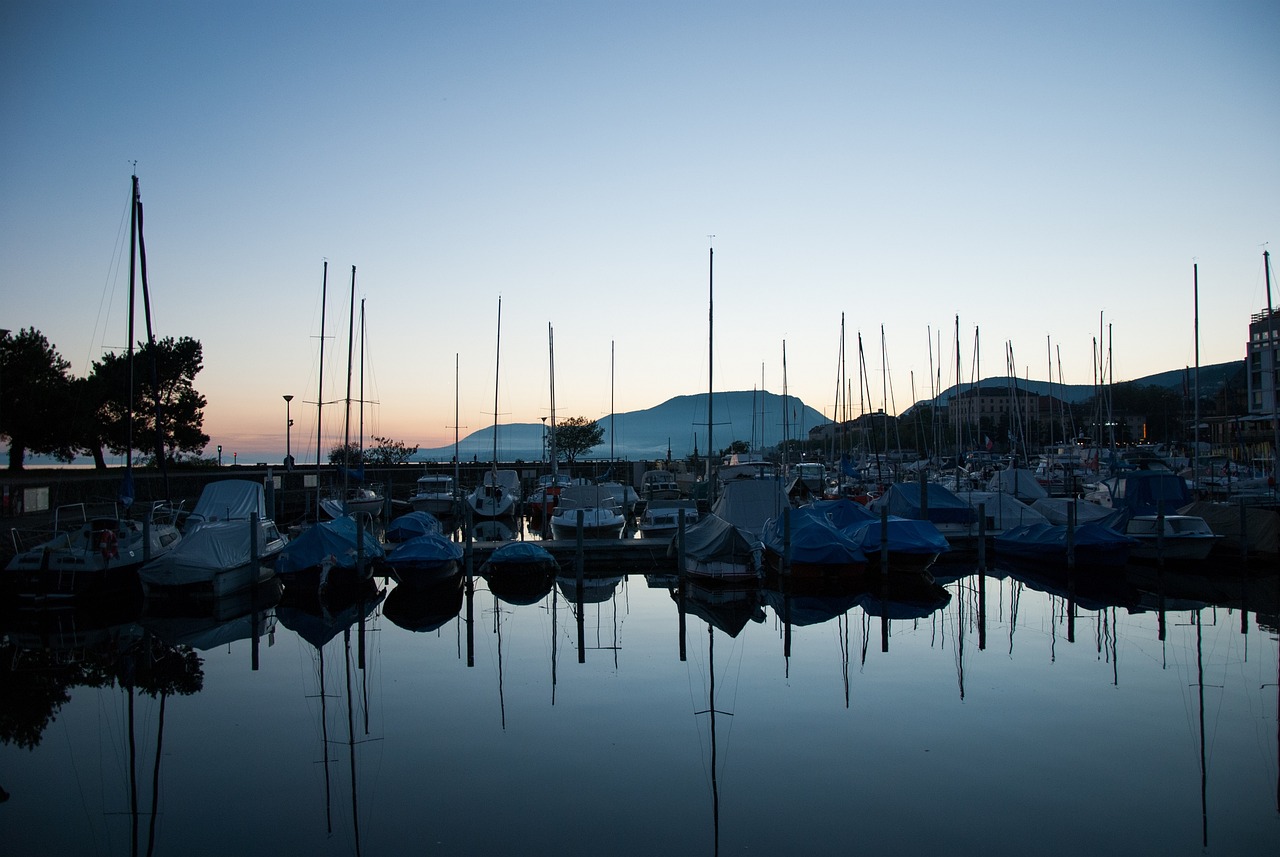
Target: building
{"points": [[1263, 360]]}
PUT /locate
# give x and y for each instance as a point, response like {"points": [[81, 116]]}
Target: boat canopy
{"points": [[813, 539], [412, 524], [336, 538], [906, 500]]}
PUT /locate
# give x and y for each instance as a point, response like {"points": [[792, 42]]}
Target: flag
{"points": [[987, 443]]}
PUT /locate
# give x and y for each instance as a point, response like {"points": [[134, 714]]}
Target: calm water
{"points": [[997, 715]]}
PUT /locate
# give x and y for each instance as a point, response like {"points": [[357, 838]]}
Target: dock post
{"points": [[982, 537], [1244, 532], [786, 541], [680, 578], [253, 537], [924, 496], [884, 540], [1160, 532], [580, 559], [1071, 534]]}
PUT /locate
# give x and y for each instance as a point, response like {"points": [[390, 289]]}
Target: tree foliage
{"points": [[387, 451], [348, 455], [163, 395], [35, 398], [577, 436]]}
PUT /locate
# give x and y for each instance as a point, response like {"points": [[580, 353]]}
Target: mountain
{"points": [[681, 422], [676, 424], [1212, 380]]}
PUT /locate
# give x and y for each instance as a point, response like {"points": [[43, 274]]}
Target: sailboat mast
{"points": [[551, 347], [346, 425], [1195, 387], [324, 289], [497, 356], [133, 257], [611, 434], [457, 465], [1275, 371], [362, 385], [711, 260]]}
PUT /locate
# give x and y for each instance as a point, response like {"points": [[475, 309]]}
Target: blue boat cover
{"points": [[429, 549], [521, 553], [815, 540], [1093, 541], [336, 538], [411, 525], [904, 500], [844, 512], [906, 536]]}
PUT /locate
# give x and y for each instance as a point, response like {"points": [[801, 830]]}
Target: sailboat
{"points": [[495, 496], [102, 554]]}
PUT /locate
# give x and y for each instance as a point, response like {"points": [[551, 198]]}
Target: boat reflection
{"points": [[427, 606], [318, 621]]}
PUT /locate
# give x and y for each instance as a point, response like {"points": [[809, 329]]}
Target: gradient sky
{"points": [[1037, 169]]}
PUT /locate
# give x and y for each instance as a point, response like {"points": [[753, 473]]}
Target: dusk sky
{"points": [[1037, 169]]}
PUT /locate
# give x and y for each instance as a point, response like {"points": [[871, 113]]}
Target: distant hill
{"points": [[1212, 379], [676, 424], [681, 422]]}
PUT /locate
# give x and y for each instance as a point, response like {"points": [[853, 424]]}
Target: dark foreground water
{"points": [[998, 714]]}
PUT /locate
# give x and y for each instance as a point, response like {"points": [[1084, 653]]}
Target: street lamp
{"points": [[288, 424]]}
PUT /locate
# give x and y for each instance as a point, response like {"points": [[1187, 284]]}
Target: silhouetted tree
{"points": [[35, 398], [576, 436]]}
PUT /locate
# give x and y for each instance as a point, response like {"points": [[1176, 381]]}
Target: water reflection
{"points": [[1141, 707]]}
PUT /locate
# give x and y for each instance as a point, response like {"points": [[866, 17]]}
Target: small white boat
{"points": [[589, 510], [355, 501], [1184, 538], [434, 494], [661, 518], [100, 553], [496, 495], [659, 485]]}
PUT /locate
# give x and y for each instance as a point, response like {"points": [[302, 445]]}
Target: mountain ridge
{"points": [[679, 424]]}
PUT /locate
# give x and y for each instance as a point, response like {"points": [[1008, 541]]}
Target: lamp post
{"points": [[219, 455], [288, 424]]}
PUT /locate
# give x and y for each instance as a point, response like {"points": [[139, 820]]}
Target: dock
{"points": [[599, 556]]}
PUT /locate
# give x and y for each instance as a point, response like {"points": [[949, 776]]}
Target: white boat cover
{"points": [[231, 500], [1003, 511], [748, 503], [1055, 510], [213, 547], [1019, 482]]}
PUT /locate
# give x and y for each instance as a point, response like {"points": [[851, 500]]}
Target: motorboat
{"points": [[99, 553], [434, 493], [715, 550], [587, 510], [1090, 544], [1176, 538], [411, 525], [338, 554], [360, 500], [229, 543], [659, 485], [806, 540], [424, 558], [661, 518]]}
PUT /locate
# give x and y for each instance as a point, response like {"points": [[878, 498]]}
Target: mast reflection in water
{"points": [[1011, 712]]}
